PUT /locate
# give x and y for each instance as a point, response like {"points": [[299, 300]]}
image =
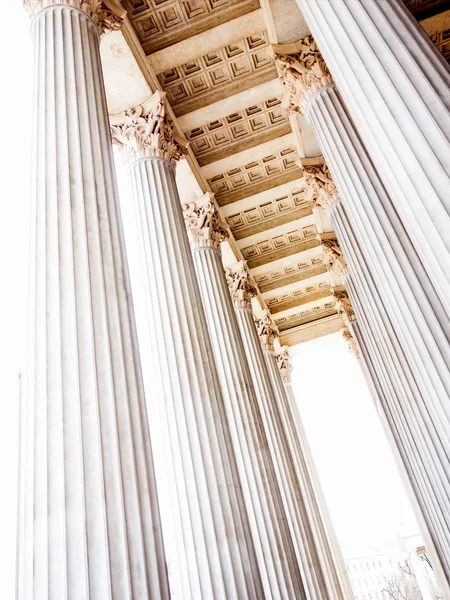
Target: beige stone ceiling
{"points": [[212, 59]]}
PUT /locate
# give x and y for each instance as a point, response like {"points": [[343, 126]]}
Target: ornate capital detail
{"points": [[343, 304], [320, 184], [302, 72], [147, 130], [266, 331], [241, 289], [351, 342], [284, 364], [205, 228], [333, 257], [108, 15]]}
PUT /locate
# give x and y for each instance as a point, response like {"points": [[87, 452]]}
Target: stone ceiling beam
{"points": [[312, 330]]}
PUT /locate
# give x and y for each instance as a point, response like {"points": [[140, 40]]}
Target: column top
{"points": [[302, 72], [239, 282], [205, 227], [343, 304], [108, 15], [319, 181], [267, 330], [334, 258], [284, 363], [147, 131]]}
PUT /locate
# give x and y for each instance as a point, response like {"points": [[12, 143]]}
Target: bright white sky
{"points": [[364, 493]]}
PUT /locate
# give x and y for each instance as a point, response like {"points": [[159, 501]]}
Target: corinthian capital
{"points": [[343, 304], [333, 257], [108, 15], [351, 342], [302, 71], [266, 330], [319, 182], [203, 222], [147, 130], [284, 364], [241, 289]]}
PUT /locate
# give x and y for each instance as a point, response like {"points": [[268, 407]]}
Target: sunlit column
{"points": [[91, 519], [275, 551], [396, 85], [217, 543], [389, 268]]}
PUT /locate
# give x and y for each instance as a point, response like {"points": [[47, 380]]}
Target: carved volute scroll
{"points": [[241, 289], [266, 331], [147, 130], [204, 225], [343, 304], [108, 15], [302, 72], [320, 185], [284, 364], [333, 257]]}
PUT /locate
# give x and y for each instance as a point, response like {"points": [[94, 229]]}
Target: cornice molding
{"points": [[147, 131], [108, 15], [205, 227]]}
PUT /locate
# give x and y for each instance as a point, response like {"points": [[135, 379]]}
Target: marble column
{"points": [[331, 552], [296, 496], [218, 546], [91, 525], [275, 551], [389, 264], [396, 84]]}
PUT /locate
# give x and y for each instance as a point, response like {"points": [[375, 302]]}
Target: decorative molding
{"points": [[289, 300], [269, 214], [147, 130], [267, 331], [162, 23], [351, 342], [256, 176], [218, 74], [302, 317], [239, 283], [275, 247], [442, 41], [302, 72], [333, 257], [343, 305], [108, 15], [321, 189], [290, 273], [204, 225], [239, 131], [284, 363]]}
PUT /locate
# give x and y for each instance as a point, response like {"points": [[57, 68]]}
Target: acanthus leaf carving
{"points": [[284, 364], [266, 330], [241, 289], [108, 15], [320, 184], [333, 257], [145, 131], [351, 342], [205, 228], [302, 72], [344, 305]]}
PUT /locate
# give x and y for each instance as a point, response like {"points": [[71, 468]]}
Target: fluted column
{"points": [[396, 85], [387, 262], [295, 495], [91, 524], [218, 547], [275, 551]]}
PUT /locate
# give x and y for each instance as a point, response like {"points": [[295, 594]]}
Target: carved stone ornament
{"points": [[351, 342], [284, 364], [241, 289], [204, 225], [320, 185], [302, 72], [147, 130], [108, 15], [266, 331], [333, 257], [343, 305]]}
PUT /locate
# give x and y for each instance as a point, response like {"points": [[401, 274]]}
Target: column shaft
{"points": [[219, 549], [91, 520], [396, 84], [261, 491]]}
